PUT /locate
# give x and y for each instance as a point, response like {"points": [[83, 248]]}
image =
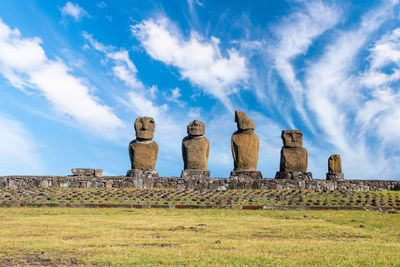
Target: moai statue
{"points": [[335, 168], [195, 151], [143, 150], [294, 159], [245, 145]]}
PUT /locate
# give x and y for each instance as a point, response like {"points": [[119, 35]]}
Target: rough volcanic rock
{"points": [[245, 144], [143, 150], [292, 138], [243, 122], [334, 164], [87, 172], [195, 147], [293, 159], [143, 154], [145, 127]]}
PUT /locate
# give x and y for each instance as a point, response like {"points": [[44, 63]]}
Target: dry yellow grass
{"points": [[62, 236]]}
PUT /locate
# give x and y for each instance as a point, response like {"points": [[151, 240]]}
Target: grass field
{"points": [[84, 236]]}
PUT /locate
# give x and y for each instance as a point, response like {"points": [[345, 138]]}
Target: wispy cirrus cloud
{"points": [[25, 64], [294, 36], [74, 10], [352, 111], [336, 98], [141, 100], [198, 59]]}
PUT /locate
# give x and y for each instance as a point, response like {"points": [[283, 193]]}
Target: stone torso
{"points": [[293, 159], [195, 152], [245, 146], [143, 154], [334, 164]]}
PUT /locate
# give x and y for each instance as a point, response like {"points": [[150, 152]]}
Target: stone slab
{"points": [[87, 172], [303, 176], [335, 176], [139, 173], [195, 174], [255, 175]]}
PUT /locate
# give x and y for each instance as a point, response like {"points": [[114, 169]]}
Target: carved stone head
{"points": [[196, 128], [243, 122], [292, 138], [144, 127]]}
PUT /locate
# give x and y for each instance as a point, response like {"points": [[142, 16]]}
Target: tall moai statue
{"points": [[294, 157], [335, 168], [245, 146], [195, 151], [143, 150]]}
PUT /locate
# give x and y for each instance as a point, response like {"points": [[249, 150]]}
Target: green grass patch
{"points": [[120, 237]]}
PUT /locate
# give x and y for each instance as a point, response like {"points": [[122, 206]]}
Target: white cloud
{"points": [[295, 35], [140, 100], [386, 51], [198, 60], [175, 96], [19, 152], [73, 10], [334, 96], [24, 63], [123, 67]]}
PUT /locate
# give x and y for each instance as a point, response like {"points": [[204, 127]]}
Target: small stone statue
{"points": [[294, 158], [245, 145], [195, 147], [335, 168], [143, 150]]}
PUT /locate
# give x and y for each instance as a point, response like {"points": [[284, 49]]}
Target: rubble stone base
{"points": [[335, 176], [303, 176], [195, 174], [87, 172], [139, 173], [254, 175]]}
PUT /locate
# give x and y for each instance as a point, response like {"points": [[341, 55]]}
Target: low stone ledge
{"points": [[221, 184]]}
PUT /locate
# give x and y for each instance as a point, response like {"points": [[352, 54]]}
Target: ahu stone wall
{"points": [[202, 183]]}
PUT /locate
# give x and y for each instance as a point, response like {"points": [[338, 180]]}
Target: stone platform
{"points": [[255, 175], [335, 176], [27, 182], [302, 176]]}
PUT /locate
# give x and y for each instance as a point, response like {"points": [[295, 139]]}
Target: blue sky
{"points": [[74, 75]]}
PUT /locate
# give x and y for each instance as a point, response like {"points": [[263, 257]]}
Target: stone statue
{"points": [[195, 151], [245, 145], [335, 168], [294, 158], [195, 147], [143, 150]]}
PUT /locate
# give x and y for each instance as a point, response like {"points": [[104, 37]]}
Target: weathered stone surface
{"points": [[143, 154], [334, 164], [243, 122], [195, 174], [196, 128], [142, 174], [292, 138], [335, 176], [304, 176], [143, 151], [150, 179], [87, 172], [293, 159], [254, 175], [245, 144], [144, 128], [195, 147]]}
